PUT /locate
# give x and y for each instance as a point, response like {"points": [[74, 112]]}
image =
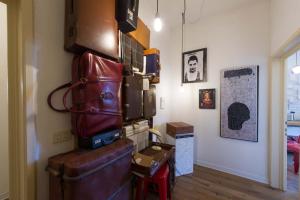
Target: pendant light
{"points": [[182, 38], [296, 68], [157, 25]]}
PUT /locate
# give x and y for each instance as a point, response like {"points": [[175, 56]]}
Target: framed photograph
{"points": [[207, 99], [194, 66], [239, 103]]}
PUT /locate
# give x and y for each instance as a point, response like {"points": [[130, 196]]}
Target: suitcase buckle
{"points": [[83, 80], [106, 95]]}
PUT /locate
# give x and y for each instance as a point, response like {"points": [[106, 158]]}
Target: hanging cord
{"points": [[156, 15], [182, 37]]}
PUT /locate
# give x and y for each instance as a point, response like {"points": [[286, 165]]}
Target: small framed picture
{"points": [[194, 66], [207, 99]]}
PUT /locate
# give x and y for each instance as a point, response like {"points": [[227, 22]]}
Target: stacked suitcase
{"points": [[138, 133], [92, 175], [100, 167]]}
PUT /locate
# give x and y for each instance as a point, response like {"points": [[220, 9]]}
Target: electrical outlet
{"points": [[62, 136]]}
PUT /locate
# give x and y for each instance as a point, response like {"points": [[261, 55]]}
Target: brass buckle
{"points": [[83, 80]]}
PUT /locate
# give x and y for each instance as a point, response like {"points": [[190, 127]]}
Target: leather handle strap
{"points": [[91, 110], [49, 99]]}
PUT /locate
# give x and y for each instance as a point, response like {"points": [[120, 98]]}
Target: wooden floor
{"points": [[208, 184]]}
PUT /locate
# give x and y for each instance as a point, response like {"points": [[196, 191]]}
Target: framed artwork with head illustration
{"points": [[194, 66], [239, 103], [207, 98]]}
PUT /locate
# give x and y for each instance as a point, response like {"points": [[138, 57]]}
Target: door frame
{"points": [[22, 184], [277, 116]]}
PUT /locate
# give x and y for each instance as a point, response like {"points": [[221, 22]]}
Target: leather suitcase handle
{"points": [[92, 110], [49, 99], [109, 141]]}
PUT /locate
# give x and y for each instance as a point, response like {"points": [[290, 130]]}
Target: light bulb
{"points": [[157, 24], [296, 69]]}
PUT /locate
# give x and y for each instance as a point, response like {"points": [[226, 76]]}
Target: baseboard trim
{"points": [[246, 175], [4, 196]]}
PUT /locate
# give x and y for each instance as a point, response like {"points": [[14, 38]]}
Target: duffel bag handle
{"points": [[91, 110], [49, 99]]}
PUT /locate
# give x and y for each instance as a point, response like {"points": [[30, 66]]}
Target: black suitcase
{"points": [[126, 53], [127, 14], [99, 140], [132, 53], [149, 105], [132, 97]]}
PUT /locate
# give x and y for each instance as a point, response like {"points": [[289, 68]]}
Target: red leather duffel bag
{"points": [[96, 95]]}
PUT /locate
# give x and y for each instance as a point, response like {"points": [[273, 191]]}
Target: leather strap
{"points": [[49, 99], [91, 110]]}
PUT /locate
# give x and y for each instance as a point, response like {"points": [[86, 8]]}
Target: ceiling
{"points": [[170, 10]]}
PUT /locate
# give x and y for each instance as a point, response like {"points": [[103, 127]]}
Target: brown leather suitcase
{"points": [[91, 25], [141, 34], [132, 97], [104, 173], [149, 99], [96, 95]]}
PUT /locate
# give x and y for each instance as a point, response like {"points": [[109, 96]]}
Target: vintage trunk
{"points": [[138, 133], [91, 26], [153, 64], [142, 34], [104, 173], [132, 97]]}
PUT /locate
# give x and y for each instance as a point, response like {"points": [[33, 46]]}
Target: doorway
{"points": [[292, 112], [4, 153]]}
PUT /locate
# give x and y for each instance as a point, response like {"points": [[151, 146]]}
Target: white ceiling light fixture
{"points": [[157, 24], [296, 68]]}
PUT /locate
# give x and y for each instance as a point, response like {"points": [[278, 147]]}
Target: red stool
{"points": [[295, 148], [160, 178]]}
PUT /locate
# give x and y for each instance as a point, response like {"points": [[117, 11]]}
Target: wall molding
{"points": [[235, 172], [4, 196]]}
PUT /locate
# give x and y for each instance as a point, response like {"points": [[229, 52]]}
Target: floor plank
{"points": [[209, 184]]}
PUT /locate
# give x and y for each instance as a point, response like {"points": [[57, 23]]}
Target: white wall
{"points": [[4, 172], [234, 38], [53, 68], [161, 41], [285, 21]]}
